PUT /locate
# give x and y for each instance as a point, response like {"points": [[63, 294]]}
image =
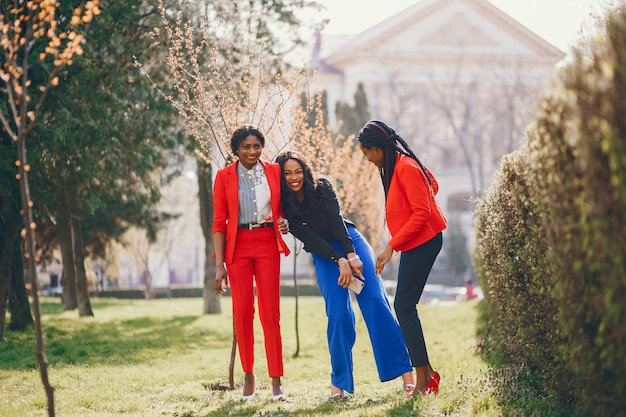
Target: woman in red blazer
{"points": [[415, 222], [246, 218]]}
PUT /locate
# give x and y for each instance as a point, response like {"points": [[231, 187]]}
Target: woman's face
{"points": [[374, 155], [294, 175], [249, 151]]}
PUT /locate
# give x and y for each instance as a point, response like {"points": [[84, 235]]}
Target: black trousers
{"points": [[415, 266]]}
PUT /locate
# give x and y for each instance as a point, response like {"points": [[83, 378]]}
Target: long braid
{"points": [[410, 153]]}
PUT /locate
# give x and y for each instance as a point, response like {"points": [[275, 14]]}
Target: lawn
{"points": [[164, 358]]}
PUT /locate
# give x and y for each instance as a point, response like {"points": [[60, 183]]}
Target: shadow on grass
{"points": [[330, 407], [54, 305], [115, 342]]}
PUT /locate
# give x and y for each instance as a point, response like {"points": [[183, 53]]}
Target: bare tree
{"points": [[297, 249], [151, 253], [486, 115], [26, 27], [469, 119], [217, 88]]}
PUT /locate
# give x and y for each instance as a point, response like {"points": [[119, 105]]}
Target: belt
{"points": [[250, 226]]}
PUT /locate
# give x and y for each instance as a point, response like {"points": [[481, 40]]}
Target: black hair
{"points": [[243, 132], [376, 134], [315, 189]]}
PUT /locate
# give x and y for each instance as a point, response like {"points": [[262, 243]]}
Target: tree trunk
{"points": [[11, 259], [149, 295], [295, 293], [68, 280], [29, 254], [212, 299], [231, 365], [82, 290], [21, 318], [8, 237], [5, 282]]}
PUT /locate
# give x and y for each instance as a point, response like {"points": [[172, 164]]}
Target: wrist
{"points": [[354, 258]]}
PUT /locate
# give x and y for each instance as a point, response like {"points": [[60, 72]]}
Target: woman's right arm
{"points": [[221, 277], [220, 215]]}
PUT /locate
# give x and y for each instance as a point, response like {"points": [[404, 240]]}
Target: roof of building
{"points": [[437, 28]]}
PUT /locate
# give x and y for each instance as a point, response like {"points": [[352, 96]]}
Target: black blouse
{"points": [[317, 229]]}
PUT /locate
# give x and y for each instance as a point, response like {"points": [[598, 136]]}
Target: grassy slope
{"points": [[164, 358]]}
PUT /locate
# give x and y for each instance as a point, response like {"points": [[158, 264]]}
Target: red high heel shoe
{"points": [[433, 385]]}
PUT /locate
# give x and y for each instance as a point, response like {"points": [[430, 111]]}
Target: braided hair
{"points": [[376, 134]]}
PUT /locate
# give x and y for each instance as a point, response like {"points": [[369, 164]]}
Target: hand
{"points": [[383, 258], [283, 225], [221, 280], [345, 273]]}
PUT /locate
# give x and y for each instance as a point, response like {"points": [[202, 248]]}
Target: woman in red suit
{"points": [[415, 222], [246, 203]]}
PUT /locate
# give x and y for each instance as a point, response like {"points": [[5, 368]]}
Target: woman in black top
{"points": [[340, 254]]}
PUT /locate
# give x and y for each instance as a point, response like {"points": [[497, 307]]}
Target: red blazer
{"points": [[226, 205], [413, 215]]}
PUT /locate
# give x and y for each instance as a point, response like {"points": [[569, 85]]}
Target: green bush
{"points": [[579, 149], [551, 234], [513, 271]]}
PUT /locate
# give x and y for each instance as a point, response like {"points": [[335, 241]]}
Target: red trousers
{"points": [[257, 260]]}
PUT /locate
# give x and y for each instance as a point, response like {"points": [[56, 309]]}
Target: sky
{"points": [[556, 21]]}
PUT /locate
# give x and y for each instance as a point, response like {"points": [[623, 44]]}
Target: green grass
{"points": [[164, 358]]}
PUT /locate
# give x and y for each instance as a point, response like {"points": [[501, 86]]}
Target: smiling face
{"points": [[294, 176], [374, 155], [249, 151]]}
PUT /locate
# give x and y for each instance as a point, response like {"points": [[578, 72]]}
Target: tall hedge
{"points": [[571, 179], [512, 268]]}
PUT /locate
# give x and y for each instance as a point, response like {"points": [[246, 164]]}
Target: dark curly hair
{"points": [[315, 189], [376, 134], [243, 132]]}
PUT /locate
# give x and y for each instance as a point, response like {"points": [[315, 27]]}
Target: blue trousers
{"points": [[415, 266], [390, 353]]}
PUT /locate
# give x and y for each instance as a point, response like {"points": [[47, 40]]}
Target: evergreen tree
{"points": [[101, 147], [350, 118], [110, 141], [320, 103]]}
